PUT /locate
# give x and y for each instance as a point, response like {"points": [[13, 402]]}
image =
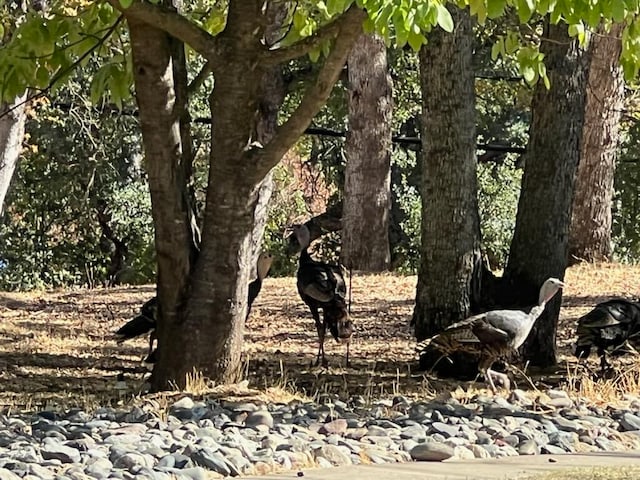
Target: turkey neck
{"points": [[305, 258]]}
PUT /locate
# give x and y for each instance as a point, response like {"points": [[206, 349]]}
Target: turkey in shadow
{"points": [[322, 287], [147, 320], [141, 324], [611, 327], [491, 335]]}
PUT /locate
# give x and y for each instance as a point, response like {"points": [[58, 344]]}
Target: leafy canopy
{"points": [[41, 49]]}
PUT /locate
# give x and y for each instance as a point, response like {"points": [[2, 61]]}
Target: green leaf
{"points": [[478, 8], [314, 54], [495, 8], [617, 11], [126, 3], [529, 74], [42, 77], [416, 40], [444, 18], [525, 10]]}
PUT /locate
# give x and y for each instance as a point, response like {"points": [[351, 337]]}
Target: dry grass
{"points": [[56, 347]]}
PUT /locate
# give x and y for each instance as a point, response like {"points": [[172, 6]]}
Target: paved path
{"points": [[479, 469]]}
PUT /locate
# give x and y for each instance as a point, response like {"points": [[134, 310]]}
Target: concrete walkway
{"points": [[478, 469]]}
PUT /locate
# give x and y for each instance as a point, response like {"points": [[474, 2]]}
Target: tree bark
{"points": [[540, 241], [450, 249], [152, 51], [11, 137], [590, 231], [203, 331], [367, 189], [271, 97]]}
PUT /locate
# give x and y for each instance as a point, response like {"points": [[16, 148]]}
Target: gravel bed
{"points": [[202, 439]]}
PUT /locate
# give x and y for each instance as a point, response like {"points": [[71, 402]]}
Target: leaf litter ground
{"points": [[57, 351]]}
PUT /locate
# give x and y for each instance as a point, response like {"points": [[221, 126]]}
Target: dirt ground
{"points": [[56, 348]]}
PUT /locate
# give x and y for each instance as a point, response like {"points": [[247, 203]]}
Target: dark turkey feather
{"points": [[611, 327], [322, 287], [141, 324]]}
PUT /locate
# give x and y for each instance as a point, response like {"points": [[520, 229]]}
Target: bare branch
{"points": [[199, 79], [315, 96], [169, 20], [304, 46]]}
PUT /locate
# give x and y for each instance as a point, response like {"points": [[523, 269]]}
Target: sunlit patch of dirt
{"points": [[56, 348]]}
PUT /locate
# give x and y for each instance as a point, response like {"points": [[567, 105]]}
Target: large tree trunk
{"points": [[450, 249], [590, 231], [367, 189], [203, 300], [539, 246], [152, 51], [11, 136]]}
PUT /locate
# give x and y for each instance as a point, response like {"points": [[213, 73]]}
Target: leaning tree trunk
{"points": [[450, 249], [367, 188], [590, 231], [11, 136], [539, 246]]}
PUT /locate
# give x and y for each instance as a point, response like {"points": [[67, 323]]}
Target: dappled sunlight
{"points": [[58, 345]]}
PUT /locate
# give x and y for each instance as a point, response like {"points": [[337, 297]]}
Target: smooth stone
{"points": [[630, 422], [184, 402], [338, 426], [211, 461], [480, 452], [431, 452], [259, 417], [60, 452], [332, 454], [528, 447], [552, 449], [463, 453]]}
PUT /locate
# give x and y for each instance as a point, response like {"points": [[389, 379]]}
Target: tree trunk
{"points": [[272, 94], [590, 231], [152, 51], [539, 246], [450, 249], [11, 137], [367, 189], [203, 300]]}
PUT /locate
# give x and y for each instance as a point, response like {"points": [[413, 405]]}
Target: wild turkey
{"points": [[612, 326], [141, 325], [264, 264], [491, 335], [146, 321], [322, 286]]}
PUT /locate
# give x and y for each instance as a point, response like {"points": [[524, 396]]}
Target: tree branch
{"points": [[302, 47], [174, 24], [199, 79], [315, 96]]}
